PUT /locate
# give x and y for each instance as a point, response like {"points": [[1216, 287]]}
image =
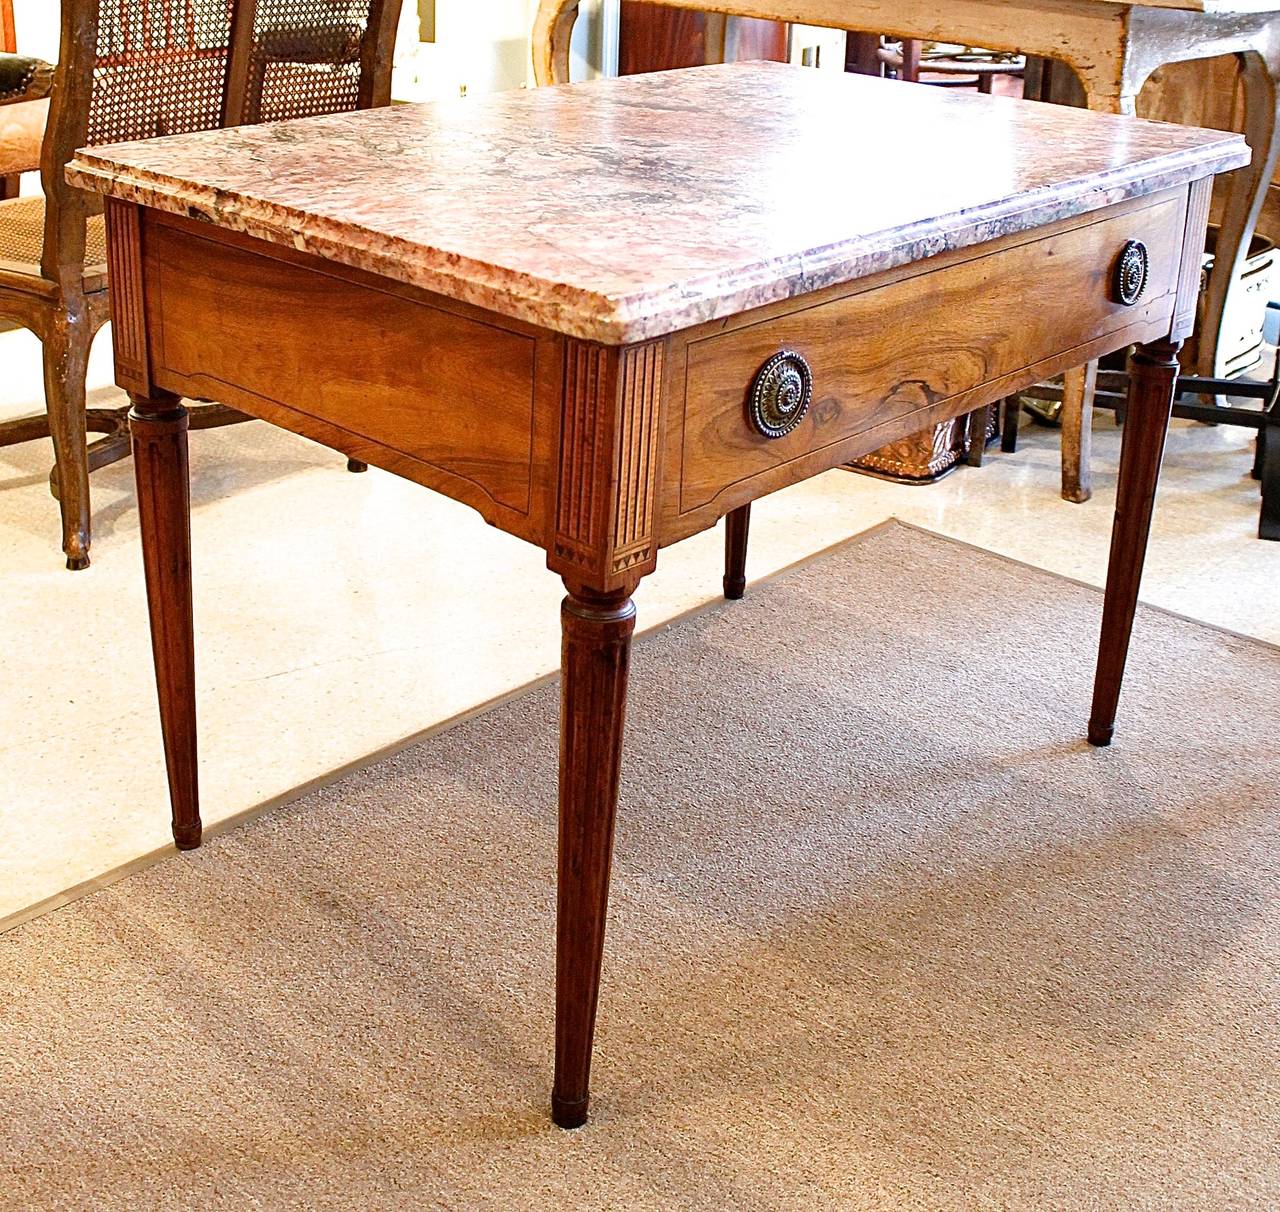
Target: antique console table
{"points": [[1113, 46], [607, 315]]}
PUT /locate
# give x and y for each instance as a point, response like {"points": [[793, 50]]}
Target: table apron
{"points": [[601, 455], [891, 357]]}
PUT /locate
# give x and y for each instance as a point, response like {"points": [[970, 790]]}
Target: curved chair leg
{"points": [[66, 359]]}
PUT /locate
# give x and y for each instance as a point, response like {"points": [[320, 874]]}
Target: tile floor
{"points": [[339, 614]]}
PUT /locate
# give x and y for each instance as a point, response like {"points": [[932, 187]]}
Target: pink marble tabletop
{"points": [[623, 210]]}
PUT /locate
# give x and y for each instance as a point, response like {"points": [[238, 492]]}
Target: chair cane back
{"points": [[138, 69]]}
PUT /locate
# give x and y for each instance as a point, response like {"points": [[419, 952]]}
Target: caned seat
{"points": [[22, 241], [137, 69]]}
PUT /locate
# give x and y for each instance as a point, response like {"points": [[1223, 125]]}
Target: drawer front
{"points": [[879, 356]]}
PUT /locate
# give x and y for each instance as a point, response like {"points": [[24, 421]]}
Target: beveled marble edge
{"points": [[647, 315]]}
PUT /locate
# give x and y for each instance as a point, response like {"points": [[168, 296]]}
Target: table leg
{"points": [[159, 424], [596, 654], [1246, 193], [1079, 384], [737, 525], [1268, 471], [977, 424], [1078, 388], [1009, 424], [1153, 372]]}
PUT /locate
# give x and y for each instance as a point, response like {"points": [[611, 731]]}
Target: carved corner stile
{"points": [[128, 296], [1193, 243], [610, 444]]}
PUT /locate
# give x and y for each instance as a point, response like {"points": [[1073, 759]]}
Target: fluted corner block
{"points": [[610, 451]]}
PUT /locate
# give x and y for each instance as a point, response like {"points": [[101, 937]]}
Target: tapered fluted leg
{"points": [[595, 658], [737, 526], [159, 428], [1153, 371]]}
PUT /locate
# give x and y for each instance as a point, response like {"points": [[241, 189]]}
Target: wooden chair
{"points": [[908, 59], [136, 69]]}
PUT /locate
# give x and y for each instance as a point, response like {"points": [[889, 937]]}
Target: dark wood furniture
{"points": [[135, 69], [744, 321], [653, 37], [908, 61]]}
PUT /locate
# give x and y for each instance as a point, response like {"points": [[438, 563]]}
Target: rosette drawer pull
{"points": [[780, 394], [1132, 270]]}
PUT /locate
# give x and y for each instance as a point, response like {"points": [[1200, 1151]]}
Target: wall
{"points": [[478, 48], [37, 24], [481, 45]]}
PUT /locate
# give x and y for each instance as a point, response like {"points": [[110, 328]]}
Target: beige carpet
{"points": [[885, 934]]}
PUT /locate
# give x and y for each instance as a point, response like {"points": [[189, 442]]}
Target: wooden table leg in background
{"points": [[1078, 388], [595, 658], [1153, 372], [159, 424], [737, 526]]}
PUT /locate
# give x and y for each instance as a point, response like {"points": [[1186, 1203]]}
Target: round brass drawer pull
{"points": [[780, 394], [1131, 273]]}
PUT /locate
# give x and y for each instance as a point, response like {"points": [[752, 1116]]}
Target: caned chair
{"points": [[137, 69]]}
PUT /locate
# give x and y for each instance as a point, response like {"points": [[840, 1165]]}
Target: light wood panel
{"points": [[929, 345], [404, 374]]}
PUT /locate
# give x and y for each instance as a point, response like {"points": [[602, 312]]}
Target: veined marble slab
{"points": [[623, 210]]}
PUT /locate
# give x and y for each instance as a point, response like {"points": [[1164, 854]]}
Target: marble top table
{"points": [[608, 315], [1113, 47]]}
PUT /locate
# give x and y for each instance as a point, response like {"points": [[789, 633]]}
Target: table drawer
{"points": [[881, 354]]}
